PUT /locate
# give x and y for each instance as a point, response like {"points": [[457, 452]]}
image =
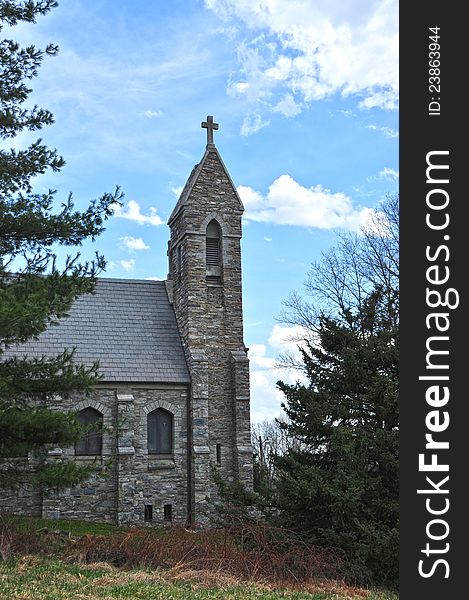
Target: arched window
{"points": [[92, 442], [213, 252], [160, 432]]}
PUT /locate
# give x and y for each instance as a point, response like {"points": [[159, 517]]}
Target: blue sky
{"points": [[305, 93]]}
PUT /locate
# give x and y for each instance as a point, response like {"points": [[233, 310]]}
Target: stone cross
{"points": [[209, 125]]}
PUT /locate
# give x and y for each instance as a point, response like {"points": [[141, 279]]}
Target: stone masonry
{"points": [[176, 346]]}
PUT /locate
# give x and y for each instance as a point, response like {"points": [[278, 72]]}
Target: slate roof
{"points": [[128, 325]]}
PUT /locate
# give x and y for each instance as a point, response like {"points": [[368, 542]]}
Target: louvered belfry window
{"points": [[91, 443], [213, 252]]}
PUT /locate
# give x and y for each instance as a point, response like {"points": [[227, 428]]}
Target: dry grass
{"points": [[259, 558], [33, 578], [222, 581], [250, 553]]}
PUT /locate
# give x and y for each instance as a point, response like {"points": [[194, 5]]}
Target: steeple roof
{"points": [[197, 170]]}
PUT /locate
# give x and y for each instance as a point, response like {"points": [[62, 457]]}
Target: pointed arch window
{"points": [[91, 444], [160, 432], [213, 252]]}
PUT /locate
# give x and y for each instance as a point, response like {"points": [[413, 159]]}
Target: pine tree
{"points": [[341, 486], [34, 290]]}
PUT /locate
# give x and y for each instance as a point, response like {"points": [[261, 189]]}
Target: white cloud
{"points": [[132, 244], [386, 131], [132, 212], [258, 358], [155, 278], [307, 50], [390, 174], [386, 100], [153, 114], [252, 124], [266, 398], [128, 265], [288, 107], [287, 338], [177, 190], [267, 239], [289, 203]]}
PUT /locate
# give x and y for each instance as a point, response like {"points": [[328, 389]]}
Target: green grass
{"points": [[76, 528], [38, 578]]}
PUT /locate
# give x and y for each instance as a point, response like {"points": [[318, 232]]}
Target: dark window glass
{"points": [[218, 454], [168, 512], [148, 512], [213, 230], [92, 442], [160, 432]]}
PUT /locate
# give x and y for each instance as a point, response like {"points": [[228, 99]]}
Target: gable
{"points": [[211, 172]]}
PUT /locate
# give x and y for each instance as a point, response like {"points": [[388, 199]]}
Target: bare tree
{"points": [[270, 439], [346, 274]]}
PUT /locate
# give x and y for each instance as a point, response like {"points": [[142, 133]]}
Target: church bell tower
{"points": [[204, 284]]}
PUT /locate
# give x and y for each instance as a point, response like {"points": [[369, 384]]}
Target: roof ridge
{"points": [[129, 280]]}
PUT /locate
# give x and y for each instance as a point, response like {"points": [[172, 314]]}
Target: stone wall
{"points": [[24, 501], [127, 478]]}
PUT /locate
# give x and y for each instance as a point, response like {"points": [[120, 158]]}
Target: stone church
{"points": [[173, 400]]}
